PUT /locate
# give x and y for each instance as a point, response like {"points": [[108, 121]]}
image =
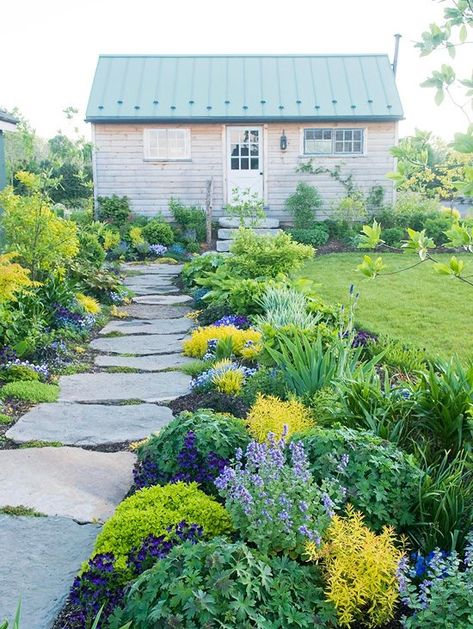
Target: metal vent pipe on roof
{"points": [[397, 37]]}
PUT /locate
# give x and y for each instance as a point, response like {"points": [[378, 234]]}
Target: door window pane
{"points": [[244, 163], [254, 163], [235, 163], [244, 150]]}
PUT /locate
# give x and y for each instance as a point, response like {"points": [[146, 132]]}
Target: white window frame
{"points": [[164, 156], [333, 153]]}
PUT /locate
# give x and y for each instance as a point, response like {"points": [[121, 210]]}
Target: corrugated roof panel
{"points": [[243, 87]]}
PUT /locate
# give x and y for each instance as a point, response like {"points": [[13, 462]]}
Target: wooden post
{"points": [[208, 211]]}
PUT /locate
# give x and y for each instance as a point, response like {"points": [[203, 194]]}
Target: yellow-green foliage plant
{"points": [[13, 278], [360, 570], [136, 236], [269, 414], [246, 343], [44, 241], [89, 304], [228, 381], [151, 511]]}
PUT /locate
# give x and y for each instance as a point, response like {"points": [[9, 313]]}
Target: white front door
{"points": [[245, 160]]}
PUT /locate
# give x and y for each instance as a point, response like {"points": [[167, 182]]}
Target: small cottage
{"points": [[163, 126]]}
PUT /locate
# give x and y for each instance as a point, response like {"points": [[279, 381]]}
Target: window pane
{"points": [[338, 147], [348, 134], [235, 149], [235, 165], [244, 150], [357, 147], [254, 148], [318, 141], [327, 134], [254, 163], [254, 137], [357, 135], [244, 163]]}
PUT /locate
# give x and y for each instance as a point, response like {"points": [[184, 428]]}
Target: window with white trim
{"points": [[167, 144], [333, 141]]}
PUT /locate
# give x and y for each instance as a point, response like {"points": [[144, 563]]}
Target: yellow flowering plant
{"points": [[43, 241], [269, 414], [246, 343], [136, 236], [13, 278], [360, 570], [89, 304]]}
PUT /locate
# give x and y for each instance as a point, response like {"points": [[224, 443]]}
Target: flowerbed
{"points": [[340, 497]]}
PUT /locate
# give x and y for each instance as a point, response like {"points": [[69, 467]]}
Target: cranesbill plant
{"points": [[274, 501]]}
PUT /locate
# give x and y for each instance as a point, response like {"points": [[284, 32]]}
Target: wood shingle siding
{"points": [[120, 167]]}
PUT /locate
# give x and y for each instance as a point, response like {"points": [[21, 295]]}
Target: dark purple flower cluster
{"points": [[66, 318], [100, 585], [7, 354], [193, 466], [154, 548], [239, 321], [146, 474], [362, 338]]}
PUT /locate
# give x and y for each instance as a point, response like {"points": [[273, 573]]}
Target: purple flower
{"points": [[157, 250], [237, 321]]}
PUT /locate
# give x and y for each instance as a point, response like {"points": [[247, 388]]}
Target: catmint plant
{"points": [[274, 501]]}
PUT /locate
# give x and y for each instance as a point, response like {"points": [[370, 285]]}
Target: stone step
{"points": [[158, 269], [155, 362], [89, 424], [162, 300], [223, 246], [71, 482], [146, 312], [152, 289], [149, 326], [139, 345], [234, 223], [40, 558], [229, 234], [112, 387]]}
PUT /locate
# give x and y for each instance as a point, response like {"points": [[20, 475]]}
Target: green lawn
{"points": [[418, 306]]}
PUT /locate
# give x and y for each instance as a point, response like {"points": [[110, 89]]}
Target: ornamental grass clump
{"points": [[225, 376], [246, 343], [270, 414], [273, 500], [360, 570], [151, 511], [89, 304]]}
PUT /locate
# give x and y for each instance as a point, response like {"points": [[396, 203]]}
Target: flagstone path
{"points": [[76, 489]]}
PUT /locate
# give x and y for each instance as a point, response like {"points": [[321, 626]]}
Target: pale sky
{"points": [[49, 48]]}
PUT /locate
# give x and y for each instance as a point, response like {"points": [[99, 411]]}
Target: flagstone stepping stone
{"points": [[148, 281], [142, 346], [162, 300], [71, 482], [89, 424], [110, 387], [155, 269], [158, 362], [143, 311], [39, 560], [158, 326], [154, 290]]}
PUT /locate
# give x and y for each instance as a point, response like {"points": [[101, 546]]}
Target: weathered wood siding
{"points": [[120, 167]]}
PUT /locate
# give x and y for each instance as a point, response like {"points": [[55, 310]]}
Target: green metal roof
{"points": [[243, 88]]}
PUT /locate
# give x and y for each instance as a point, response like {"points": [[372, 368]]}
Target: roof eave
{"points": [[246, 119]]}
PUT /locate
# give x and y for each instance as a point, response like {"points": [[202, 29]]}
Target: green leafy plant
{"points": [[30, 391], [309, 367], [157, 232], [381, 480], [152, 511], [303, 205], [398, 355], [18, 372], [258, 256], [247, 206], [229, 585], [114, 209], [444, 509], [443, 403], [315, 236], [191, 220]]}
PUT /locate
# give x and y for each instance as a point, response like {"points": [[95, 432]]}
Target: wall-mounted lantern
{"points": [[283, 141]]}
